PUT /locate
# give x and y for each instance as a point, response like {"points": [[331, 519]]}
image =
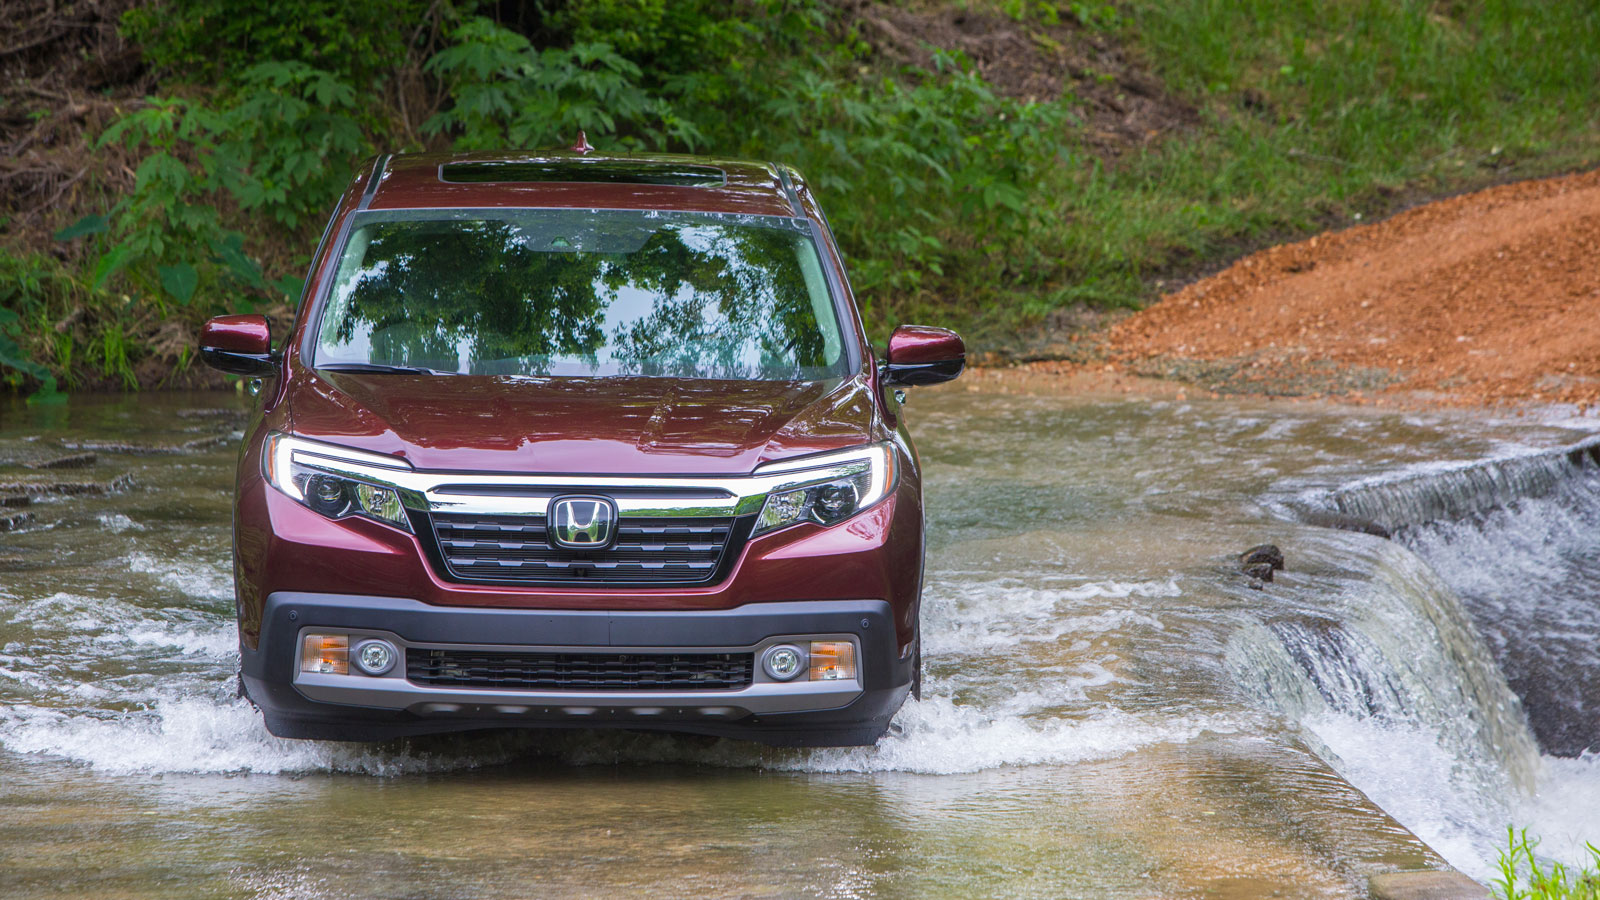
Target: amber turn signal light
{"points": [[833, 660], [325, 654]]}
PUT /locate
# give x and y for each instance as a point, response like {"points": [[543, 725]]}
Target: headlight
{"points": [[827, 489], [335, 481]]}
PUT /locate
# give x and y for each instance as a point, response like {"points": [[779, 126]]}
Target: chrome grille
{"points": [[516, 550], [581, 671]]}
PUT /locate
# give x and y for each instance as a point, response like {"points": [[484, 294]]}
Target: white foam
{"points": [[116, 523], [935, 736], [984, 617], [1420, 783], [939, 737], [220, 642], [1564, 812], [85, 626], [198, 734], [1431, 792], [190, 577]]}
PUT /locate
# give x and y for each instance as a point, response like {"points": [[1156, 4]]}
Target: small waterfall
{"points": [[1456, 491], [1400, 653], [1469, 649], [1519, 540]]}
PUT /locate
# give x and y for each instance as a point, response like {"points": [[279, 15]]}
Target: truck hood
{"points": [[588, 426]]}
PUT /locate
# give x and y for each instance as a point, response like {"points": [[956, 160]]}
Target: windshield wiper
{"points": [[379, 367]]}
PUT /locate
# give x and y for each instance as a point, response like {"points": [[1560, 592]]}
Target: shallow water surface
{"points": [[1110, 706]]}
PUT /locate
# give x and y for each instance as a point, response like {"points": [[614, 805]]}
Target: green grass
{"points": [[1522, 877], [1312, 113]]}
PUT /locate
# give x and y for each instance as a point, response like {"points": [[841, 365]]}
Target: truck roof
{"points": [[568, 179]]}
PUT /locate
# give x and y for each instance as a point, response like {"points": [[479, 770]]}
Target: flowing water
{"points": [[1110, 708]]}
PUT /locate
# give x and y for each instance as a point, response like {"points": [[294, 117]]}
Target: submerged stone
{"points": [[1425, 885], [95, 488], [138, 449], [1345, 522], [1263, 553], [1261, 571], [71, 461]]}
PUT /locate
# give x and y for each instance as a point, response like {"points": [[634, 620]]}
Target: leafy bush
{"points": [[506, 93], [48, 314], [927, 174], [281, 145], [925, 180], [207, 41]]}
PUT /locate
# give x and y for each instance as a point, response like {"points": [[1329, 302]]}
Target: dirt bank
{"points": [[1485, 298]]}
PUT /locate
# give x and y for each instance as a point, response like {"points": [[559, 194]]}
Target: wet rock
{"points": [[132, 449], [70, 461], [13, 521], [1425, 885], [94, 488], [1261, 571], [218, 412], [14, 501], [1263, 553], [1343, 522]]}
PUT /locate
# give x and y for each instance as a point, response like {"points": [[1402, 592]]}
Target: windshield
{"points": [[582, 293]]}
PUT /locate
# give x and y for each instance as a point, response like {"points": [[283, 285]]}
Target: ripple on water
{"points": [[191, 577], [980, 617]]}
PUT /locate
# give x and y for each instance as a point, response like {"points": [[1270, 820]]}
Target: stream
{"points": [[1110, 706]]}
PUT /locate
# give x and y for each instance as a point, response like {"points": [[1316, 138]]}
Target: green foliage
{"points": [[938, 174], [51, 322], [506, 93], [925, 173], [289, 134], [281, 144], [1523, 878], [206, 41]]}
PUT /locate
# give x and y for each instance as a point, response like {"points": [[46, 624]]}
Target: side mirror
{"points": [[240, 345], [919, 355]]}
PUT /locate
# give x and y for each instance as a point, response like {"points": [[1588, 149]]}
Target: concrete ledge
{"points": [[1425, 885]]}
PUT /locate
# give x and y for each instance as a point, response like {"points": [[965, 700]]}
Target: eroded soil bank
{"points": [[1486, 298]]}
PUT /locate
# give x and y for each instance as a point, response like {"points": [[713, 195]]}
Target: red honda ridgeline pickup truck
{"points": [[571, 440]]}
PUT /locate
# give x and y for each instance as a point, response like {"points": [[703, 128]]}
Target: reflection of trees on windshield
{"points": [[687, 298], [736, 304]]}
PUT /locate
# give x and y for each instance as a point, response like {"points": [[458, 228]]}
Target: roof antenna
{"points": [[581, 145]]}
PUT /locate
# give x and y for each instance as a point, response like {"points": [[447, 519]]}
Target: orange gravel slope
{"points": [[1482, 298]]}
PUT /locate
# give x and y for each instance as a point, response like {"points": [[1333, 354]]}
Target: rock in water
{"points": [[1263, 553], [1345, 522], [1260, 571], [72, 461]]}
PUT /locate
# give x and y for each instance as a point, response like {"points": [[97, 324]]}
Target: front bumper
{"points": [[361, 707]]}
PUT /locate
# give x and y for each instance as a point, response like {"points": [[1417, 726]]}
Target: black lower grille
{"points": [[516, 550], [581, 671]]}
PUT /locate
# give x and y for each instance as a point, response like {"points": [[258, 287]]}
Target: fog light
{"points": [[325, 654], [376, 657], [833, 660], [783, 663]]}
